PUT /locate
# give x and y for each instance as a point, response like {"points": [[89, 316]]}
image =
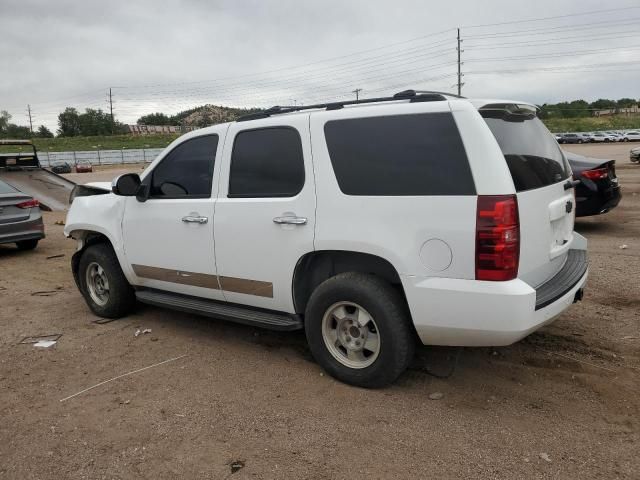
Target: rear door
{"points": [[541, 176], [265, 212]]}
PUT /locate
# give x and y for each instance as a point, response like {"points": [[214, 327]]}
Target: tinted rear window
{"points": [[418, 154], [533, 156]]}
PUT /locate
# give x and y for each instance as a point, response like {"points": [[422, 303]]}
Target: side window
{"points": [[419, 154], [266, 162], [187, 170]]}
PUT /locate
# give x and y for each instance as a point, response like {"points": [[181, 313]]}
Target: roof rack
{"points": [[411, 95]]}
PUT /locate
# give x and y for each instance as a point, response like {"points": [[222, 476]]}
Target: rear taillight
{"points": [[28, 204], [497, 238], [596, 173]]}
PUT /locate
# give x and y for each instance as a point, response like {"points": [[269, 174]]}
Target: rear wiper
{"points": [[571, 184]]}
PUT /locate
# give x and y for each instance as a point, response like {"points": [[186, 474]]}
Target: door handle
{"points": [[194, 219], [290, 220]]}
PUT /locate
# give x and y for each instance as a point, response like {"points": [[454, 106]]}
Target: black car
{"points": [[598, 190], [61, 167]]}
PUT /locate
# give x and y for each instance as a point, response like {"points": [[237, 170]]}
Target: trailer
{"points": [[22, 169]]}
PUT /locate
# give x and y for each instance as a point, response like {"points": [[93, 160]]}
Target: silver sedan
{"points": [[20, 218]]}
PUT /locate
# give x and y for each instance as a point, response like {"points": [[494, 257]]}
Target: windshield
{"points": [[533, 156]]}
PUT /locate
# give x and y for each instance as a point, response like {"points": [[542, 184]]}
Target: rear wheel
{"points": [[359, 330], [104, 286], [27, 244]]}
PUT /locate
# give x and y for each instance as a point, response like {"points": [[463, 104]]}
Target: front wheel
{"points": [[103, 285], [359, 330]]}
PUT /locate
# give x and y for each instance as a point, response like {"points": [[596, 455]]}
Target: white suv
{"points": [[370, 225]]}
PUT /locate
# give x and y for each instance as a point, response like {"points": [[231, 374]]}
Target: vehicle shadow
{"points": [[10, 250], [608, 227]]}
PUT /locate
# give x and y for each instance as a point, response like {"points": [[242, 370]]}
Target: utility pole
{"points": [[111, 108], [459, 65], [357, 92], [30, 120]]}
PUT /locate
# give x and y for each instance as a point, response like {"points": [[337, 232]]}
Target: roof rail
{"points": [[411, 95]]}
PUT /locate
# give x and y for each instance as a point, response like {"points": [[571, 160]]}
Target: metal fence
{"points": [[100, 157]]}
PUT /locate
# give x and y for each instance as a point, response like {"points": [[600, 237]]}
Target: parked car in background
{"points": [[83, 167], [616, 136], [20, 218], [634, 155], [599, 190], [602, 137], [558, 136], [60, 167], [631, 136], [572, 138]]}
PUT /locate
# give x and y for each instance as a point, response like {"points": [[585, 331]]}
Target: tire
{"points": [[579, 141], [99, 268], [388, 321], [625, 139], [27, 244]]}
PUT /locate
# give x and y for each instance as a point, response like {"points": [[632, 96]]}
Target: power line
{"points": [[554, 55], [592, 12], [441, 32], [562, 41], [542, 30]]}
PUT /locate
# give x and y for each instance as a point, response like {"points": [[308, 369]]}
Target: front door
{"points": [[265, 213], [168, 240]]}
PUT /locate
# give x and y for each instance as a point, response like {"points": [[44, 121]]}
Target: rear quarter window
{"points": [[419, 154]]}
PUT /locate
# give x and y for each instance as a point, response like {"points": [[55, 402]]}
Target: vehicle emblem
{"points": [[569, 207]]}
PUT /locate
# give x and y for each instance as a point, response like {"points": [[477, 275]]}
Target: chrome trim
{"points": [[195, 219], [290, 220]]}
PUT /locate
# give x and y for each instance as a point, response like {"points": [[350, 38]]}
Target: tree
{"points": [[627, 102], [4, 120], [44, 132], [69, 123], [603, 104], [154, 119], [94, 122]]}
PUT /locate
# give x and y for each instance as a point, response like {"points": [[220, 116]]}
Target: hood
{"points": [[99, 185]]}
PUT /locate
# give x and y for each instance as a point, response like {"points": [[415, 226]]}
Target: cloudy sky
{"points": [[169, 56]]}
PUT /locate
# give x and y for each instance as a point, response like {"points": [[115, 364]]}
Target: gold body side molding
{"points": [[229, 284]]}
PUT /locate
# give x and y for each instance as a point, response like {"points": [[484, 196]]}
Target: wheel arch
{"points": [[315, 267], [85, 238]]}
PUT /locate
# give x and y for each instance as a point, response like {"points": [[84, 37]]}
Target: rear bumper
{"points": [[458, 312], [590, 202], [30, 229]]}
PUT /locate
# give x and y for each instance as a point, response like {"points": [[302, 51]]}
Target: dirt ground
{"points": [[563, 403]]}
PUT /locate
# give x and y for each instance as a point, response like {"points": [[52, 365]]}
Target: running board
{"points": [[225, 311]]}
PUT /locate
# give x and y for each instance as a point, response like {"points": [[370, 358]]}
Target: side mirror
{"points": [[126, 185]]}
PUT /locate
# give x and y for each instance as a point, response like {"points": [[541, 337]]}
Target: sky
{"points": [[170, 56]]}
